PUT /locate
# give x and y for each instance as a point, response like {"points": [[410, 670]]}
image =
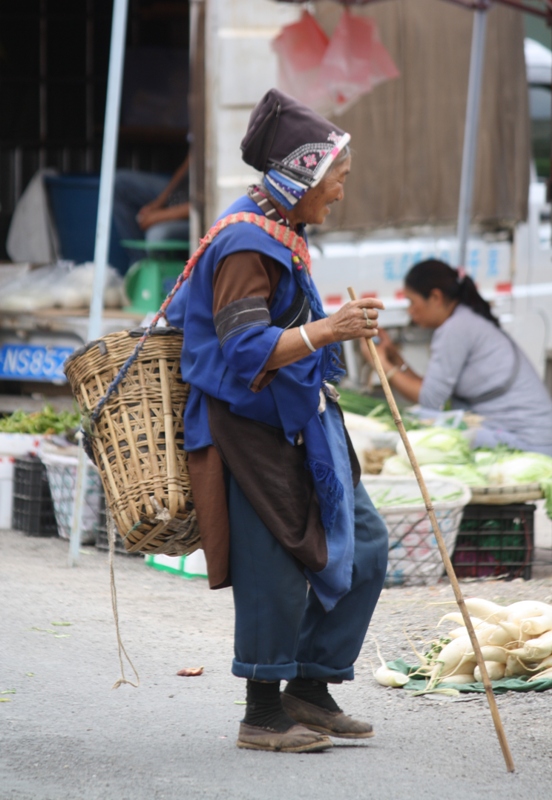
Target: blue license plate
{"points": [[33, 363]]}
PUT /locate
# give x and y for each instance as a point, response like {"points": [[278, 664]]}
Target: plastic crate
{"points": [[414, 558], [33, 509], [495, 541], [62, 477]]}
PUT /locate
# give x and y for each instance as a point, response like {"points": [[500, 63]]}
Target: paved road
{"points": [[66, 735]]}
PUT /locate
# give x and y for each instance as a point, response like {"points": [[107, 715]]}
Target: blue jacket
{"points": [[290, 401]]}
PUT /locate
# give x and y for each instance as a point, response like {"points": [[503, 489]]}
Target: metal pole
{"points": [[109, 157], [471, 128], [103, 230]]}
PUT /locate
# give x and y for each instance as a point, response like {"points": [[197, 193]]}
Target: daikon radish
{"points": [[524, 609], [386, 676], [547, 674], [460, 679], [486, 610], [494, 653], [483, 635], [516, 652], [536, 649], [511, 634], [515, 668], [546, 663], [505, 633], [452, 655], [456, 616], [465, 667], [535, 626], [494, 669], [456, 632], [390, 677], [455, 658]]}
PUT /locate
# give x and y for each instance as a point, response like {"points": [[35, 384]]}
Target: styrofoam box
{"points": [[192, 566], [6, 491], [19, 444]]}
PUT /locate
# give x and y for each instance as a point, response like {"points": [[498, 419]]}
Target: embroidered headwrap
{"points": [[291, 144]]}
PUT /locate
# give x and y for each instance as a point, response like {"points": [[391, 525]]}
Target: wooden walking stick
{"points": [[442, 549]]}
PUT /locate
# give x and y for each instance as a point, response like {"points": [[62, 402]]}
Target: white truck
{"points": [[511, 269]]}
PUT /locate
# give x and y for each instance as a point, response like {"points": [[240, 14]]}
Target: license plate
{"points": [[34, 363]]}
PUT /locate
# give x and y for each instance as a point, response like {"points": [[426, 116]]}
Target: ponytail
{"points": [[469, 296], [431, 274]]}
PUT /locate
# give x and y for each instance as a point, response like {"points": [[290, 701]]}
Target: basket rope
{"points": [[111, 534], [279, 232]]}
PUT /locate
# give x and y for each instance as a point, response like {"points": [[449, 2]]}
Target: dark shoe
{"points": [[332, 723], [295, 740]]}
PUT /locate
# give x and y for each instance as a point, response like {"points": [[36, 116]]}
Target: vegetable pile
{"points": [[375, 409], [445, 453], [383, 498], [515, 640], [46, 421]]}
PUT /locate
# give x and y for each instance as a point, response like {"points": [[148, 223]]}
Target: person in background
{"points": [[473, 363], [283, 515], [151, 206]]}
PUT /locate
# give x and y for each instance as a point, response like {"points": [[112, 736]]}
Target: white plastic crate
{"points": [[414, 557], [62, 477], [6, 491]]}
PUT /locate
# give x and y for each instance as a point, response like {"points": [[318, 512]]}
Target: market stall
{"points": [[495, 533]]}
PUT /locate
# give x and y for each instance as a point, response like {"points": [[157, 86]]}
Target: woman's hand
{"points": [[147, 210], [355, 320], [389, 348], [155, 216]]}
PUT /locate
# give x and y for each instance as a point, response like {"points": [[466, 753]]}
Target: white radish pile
{"points": [[515, 641]]}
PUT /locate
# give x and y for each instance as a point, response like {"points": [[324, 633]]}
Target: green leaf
{"points": [[61, 623]]}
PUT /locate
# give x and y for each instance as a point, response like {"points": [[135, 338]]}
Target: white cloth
{"points": [[32, 234]]}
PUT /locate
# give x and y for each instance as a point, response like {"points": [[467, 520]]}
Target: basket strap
{"points": [[280, 233]]}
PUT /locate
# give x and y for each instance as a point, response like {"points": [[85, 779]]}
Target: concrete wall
{"points": [[240, 68]]}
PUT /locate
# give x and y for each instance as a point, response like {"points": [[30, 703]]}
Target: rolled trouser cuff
{"points": [[318, 672], [265, 672]]}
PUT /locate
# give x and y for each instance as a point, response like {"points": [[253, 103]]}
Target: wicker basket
{"points": [[138, 438]]}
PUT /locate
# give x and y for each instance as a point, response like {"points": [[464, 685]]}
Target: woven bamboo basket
{"points": [[138, 438]]}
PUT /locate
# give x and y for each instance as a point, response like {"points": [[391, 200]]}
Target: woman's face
{"points": [[428, 312], [314, 206]]}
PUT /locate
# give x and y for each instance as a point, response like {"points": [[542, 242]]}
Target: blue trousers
{"points": [[132, 190], [281, 628]]}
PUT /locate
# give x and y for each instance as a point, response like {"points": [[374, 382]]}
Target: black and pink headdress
{"points": [[291, 144]]}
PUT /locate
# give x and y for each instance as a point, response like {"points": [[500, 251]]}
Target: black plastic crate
{"points": [[495, 541], [33, 509], [102, 540]]}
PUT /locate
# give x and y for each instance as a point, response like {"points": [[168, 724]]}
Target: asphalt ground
{"points": [[65, 734]]}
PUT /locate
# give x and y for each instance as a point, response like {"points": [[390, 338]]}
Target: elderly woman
{"points": [[472, 362], [283, 516]]}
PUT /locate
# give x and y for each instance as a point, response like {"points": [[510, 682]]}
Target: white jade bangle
{"points": [[306, 339]]}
